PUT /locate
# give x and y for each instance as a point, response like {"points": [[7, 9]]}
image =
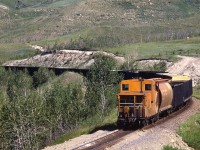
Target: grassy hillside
{"points": [[131, 21], [140, 27], [143, 28], [162, 49], [36, 3], [15, 51]]}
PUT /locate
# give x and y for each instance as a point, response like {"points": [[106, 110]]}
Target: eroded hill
{"points": [[63, 58]]}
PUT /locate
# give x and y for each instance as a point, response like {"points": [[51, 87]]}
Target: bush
{"points": [[161, 66], [31, 117], [42, 76]]}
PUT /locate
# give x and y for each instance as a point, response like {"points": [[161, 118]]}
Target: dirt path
{"points": [[36, 47], [187, 66]]}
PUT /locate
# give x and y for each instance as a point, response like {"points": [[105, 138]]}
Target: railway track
{"points": [[117, 136], [104, 142]]}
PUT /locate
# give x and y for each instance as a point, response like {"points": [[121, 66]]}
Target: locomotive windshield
{"points": [[126, 100], [131, 100], [138, 99]]}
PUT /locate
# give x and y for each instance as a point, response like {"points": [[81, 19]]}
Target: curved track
{"points": [[113, 138], [104, 142]]}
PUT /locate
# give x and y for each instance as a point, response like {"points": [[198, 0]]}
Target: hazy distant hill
{"points": [[125, 21]]}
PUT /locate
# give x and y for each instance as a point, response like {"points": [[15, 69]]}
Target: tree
{"points": [[22, 121], [63, 107], [42, 76], [100, 83]]}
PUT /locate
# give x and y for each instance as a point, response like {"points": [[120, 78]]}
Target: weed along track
{"points": [[119, 135]]}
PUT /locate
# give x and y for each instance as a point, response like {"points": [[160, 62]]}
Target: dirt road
{"points": [[187, 66]]}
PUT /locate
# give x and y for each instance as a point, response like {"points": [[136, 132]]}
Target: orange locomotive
{"points": [[143, 100]]}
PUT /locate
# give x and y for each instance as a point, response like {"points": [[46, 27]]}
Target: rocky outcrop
{"points": [[63, 58]]}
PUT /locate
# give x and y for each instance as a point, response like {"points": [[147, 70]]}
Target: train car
{"points": [[143, 100], [182, 90]]}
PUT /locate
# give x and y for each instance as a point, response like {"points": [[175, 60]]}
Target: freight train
{"points": [[144, 100]]}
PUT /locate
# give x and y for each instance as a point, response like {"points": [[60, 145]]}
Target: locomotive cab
{"points": [[142, 99]]}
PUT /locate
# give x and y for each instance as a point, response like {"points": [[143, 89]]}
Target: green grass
{"points": [[196, 92], [189, 47], [125, 5], [159, 49], [88, 126], [190, 131], [61, 3], [39, 3], [169, 147], [15, 51], [30, 24]]}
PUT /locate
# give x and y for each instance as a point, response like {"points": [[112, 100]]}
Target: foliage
{"points": [[129, 66], [196, 91], [64, 107], [42, 76], [101, 83], [190, 131], [161, 66], [21, 114], [130, 60], [91, 124], [126, 5], [34, 114], [169, 147], [30, 117]]}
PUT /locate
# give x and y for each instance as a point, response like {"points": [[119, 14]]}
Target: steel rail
{"points": [[113, 138]]}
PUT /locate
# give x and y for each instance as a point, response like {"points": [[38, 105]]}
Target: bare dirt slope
{"points": [[63, 58], [187, 66]]}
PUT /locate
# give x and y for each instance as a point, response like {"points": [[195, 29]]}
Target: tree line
{"points": [[34, 111], [37, 109]]}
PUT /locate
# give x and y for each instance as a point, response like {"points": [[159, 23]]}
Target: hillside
{"points": [[63, 58], [113, 22]]}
